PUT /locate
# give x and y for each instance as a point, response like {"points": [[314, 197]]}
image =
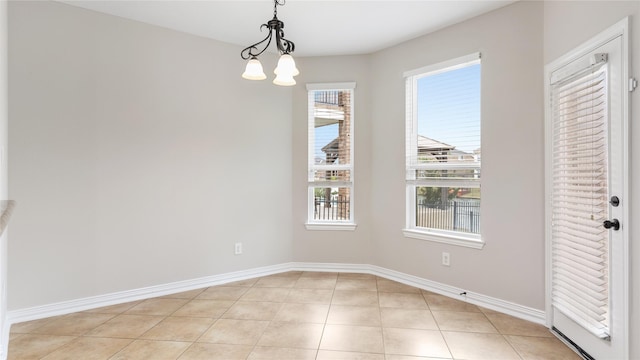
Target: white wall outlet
{"points": [[446, 259], [238, 249]]}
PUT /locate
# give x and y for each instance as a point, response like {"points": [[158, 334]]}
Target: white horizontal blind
{"points": [[330, 137], [580, 244], [443, 149], [443, 125]]}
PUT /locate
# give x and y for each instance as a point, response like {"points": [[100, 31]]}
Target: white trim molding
{"points": [[331, 226], [452, 239], [342, 164], [71, 306], [446, 65], [350, 85], [67, 307], [503, 306]]}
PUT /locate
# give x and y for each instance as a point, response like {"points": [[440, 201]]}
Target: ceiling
{"points": [[317, 27]]}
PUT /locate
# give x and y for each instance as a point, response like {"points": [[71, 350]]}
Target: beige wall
{"points": [[138, 157], [568, 24], [511, 265], [334, 246], [3, 171], [4, 87]]}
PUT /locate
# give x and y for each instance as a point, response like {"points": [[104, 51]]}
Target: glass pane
{"points": [[448, 117], [331, 175], [331, 204], [446, 208], [462, 174], [332, 127]]}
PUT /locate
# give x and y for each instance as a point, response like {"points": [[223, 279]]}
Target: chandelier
{"points": [[286, 69]]}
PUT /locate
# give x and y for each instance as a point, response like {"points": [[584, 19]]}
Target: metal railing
{"points": [[335, 208], [455, 215], [328, 97]]}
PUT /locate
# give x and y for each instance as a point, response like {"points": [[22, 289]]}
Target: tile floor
{"points": [[294, 315]]}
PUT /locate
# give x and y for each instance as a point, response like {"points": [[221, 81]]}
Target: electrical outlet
{"points": [[446, 259], [238, 248]]}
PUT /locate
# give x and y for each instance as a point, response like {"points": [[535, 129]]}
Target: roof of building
{"points": [[425, 143]]}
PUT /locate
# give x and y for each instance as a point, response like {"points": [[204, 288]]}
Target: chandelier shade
{"points": [[286, 69], [254, 71], [286, 66], [284, 80]]}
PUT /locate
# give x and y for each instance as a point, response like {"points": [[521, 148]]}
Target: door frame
{"points": [[621, 28]]}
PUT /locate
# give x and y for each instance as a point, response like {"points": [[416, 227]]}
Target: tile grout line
{"points": [[326, 318], [139, 337], [424, 296], [384, 348], [513, 347], [270, 321], [215, 319], [253, 347], [175, 311], [192, 342]]}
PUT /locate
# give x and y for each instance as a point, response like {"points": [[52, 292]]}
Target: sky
{"points": [[448, 110], [323, 136], [449, 107]]}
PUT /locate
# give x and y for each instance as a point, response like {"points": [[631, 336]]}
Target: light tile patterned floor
{"points": [[294, 315]]}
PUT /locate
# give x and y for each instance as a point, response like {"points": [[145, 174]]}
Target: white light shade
{"points": [[284, 80], [286, 66], [254, 71]]}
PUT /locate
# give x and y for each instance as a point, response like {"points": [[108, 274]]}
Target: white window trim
{"points": [[447, 65], [332, 86], [473, 241], [332, 225], [435, 235], [444, 237]]}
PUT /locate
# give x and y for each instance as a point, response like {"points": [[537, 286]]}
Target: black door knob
{"points": [[615, 224]]}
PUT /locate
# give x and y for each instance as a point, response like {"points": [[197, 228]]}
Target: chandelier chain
{"points": [[275, 7], [273, 26]]}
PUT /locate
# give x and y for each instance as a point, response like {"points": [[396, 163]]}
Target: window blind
{"points": [[443, 151], [330, 167], [443, 129], [580, 258], [330, 138]]}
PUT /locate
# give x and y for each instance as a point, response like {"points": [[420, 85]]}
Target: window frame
{"points": [[311, 223], [411, 147]]}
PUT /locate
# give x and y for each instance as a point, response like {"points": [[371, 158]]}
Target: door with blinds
{"points": [[587, 265]]}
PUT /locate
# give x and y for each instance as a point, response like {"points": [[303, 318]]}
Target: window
{"points": [[443, 152], [330, 169]]}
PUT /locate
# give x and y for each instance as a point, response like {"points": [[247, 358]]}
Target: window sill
{"points": [[331, 226], [474, 243]]}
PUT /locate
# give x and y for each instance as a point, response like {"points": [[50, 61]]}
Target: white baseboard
{"points": [[66, 307], [503, 306]]}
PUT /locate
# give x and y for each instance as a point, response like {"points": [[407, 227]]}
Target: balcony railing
{"points": [[455, 215], [328, 97], [335, 208]]}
